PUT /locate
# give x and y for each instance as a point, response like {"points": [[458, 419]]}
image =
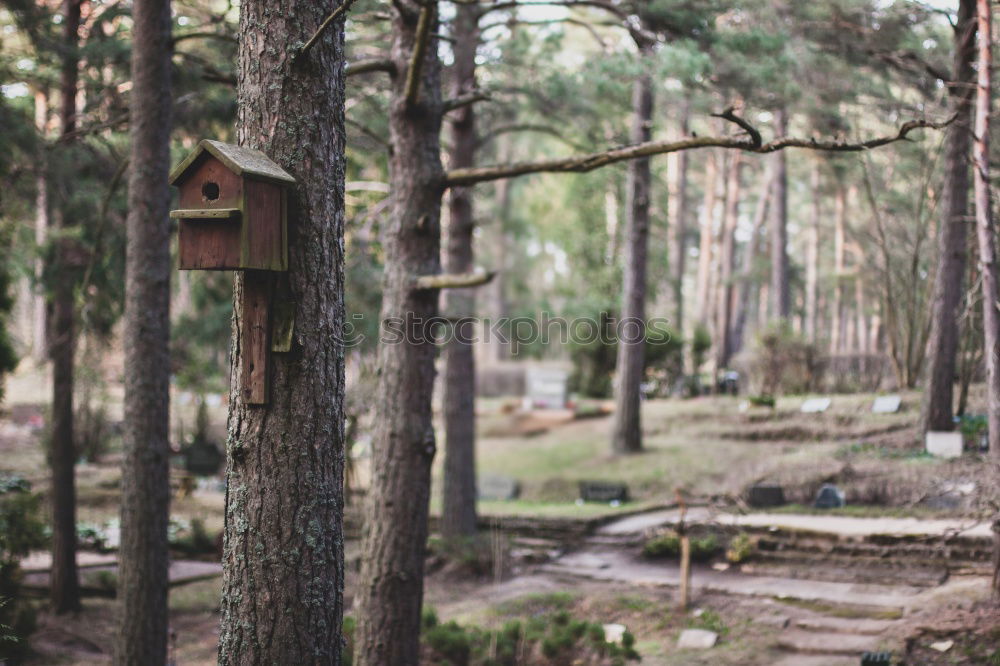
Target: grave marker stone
{"points": [[829, 497], [497, 487], [603, 491], [697, 639], [545, 388], [886, 404], [815, 405], [944, 444], [763, 495]]}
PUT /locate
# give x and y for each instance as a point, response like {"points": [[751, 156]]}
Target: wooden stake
{"points": [[255, 329]]}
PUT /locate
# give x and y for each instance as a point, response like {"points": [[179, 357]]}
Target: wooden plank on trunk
{"points": [[255, 336]]}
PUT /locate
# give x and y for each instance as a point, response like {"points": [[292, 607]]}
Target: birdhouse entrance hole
{"points": [[210, 191]]}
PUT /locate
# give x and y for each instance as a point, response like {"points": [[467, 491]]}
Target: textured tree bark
{"points": [[812, 256], [626, 434], [458, 513], [282, 597], [938, 397], [705, 242], [780, 289], [403, 446], [145, 512], [727, 261], [750, 254], [39, 316], [678, 211], [985, 229], [65, 584], [838, 314]]}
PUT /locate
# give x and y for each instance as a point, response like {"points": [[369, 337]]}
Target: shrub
{"points": [[21, 530], [740, 549], [668, 544]]}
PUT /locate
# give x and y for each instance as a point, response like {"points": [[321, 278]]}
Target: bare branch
{"points": [[370, 65], [730, 115], [419, 52], [467, 99], [342, 9], [589, 162], [476, 278]]}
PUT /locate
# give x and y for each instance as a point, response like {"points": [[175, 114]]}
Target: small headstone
{"points": [[545, 388], [603, 491], [765, 495], [497, 487], [780, 621], [944, 444], [829, 497], [876, 658], [886, 404], [815, 405], [942, 646], [697, 639], [614, 633], [203, 458]]}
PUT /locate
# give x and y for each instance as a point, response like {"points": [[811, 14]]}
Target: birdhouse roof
{"points": [[242, 161]]}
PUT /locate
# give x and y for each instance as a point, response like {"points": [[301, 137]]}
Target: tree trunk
{"points": [[282, 596], [986, 232], [705, 242], [458, 514], [780, 290], [626, 435], [938, 398], [727, 259], [838, 315], [750, 254], [65, 584], [39, 325], [403, 446], [812, 256], [678, 213], [145, 508]]}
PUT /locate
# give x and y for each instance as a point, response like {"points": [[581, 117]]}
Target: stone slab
{"points": [[497, 487], [697, 639], [811, 642], [886, 404], [944, 444], [815, 405]]}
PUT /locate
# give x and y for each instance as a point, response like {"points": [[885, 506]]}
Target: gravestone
{"points": [[944, 444], [763, 495], [815, 405], [545, 388], [886, 404], [829, 497], [697, 639], [876, 658], [603, 491], [497, 487], [203, 458]]}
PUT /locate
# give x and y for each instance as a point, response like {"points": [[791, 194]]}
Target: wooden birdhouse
{"points": [[233, 215], [233, 209]]}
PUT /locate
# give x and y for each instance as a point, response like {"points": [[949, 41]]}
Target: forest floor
{"points": [[710, 447]]}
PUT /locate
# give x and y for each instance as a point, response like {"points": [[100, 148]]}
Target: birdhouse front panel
{"points": [[211, 243], [233, 211]]}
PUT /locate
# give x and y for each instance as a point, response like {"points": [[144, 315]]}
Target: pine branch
{"points": [[419, 52], [370, 65], [342, 9], [589, 162], [476, 278]]}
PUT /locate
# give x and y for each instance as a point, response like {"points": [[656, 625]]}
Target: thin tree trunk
{"points": [[838, 313], [727, 260], [750, 254], [938, 398], [145, 509], [65, 585], [780, 289], [705, 243], [812, 256], [458, 514], [392, 571], [861, 316], [283, 580], [678, 213], [986, 233], [39, 326], [626, 434]]}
